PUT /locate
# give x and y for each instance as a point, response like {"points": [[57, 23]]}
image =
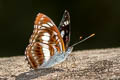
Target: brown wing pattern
{"points": [[65, 29], [34, 54], [44, 41]]}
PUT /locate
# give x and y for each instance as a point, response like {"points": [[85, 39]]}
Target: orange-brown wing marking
{"points": [[41, 18], [30, 58], [53, 38], [34, 55], [44, 41], [59, 36], [42, 25]]}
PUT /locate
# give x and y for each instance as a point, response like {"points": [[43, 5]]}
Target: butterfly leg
{"points": [[74, 61]]}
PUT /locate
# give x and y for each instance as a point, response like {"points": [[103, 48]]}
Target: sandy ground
{"points": [[99, 64]]}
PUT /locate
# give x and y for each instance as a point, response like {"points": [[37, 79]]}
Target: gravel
{"points": [[97, 64]]}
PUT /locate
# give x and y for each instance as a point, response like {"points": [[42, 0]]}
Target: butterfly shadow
{"points": [[32, 74]]}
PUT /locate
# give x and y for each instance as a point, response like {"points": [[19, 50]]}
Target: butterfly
{"points": [[49, 44]]}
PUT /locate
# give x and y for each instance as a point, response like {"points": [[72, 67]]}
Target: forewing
{"points": [[64, 28], [44, 42]]}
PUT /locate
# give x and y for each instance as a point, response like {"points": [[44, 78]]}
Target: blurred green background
{"points": [[87, 16]]}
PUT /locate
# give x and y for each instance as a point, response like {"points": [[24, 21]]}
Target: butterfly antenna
{"points": [[82, 40]]}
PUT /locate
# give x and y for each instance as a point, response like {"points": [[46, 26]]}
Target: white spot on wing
{"points": [[66, 22], [42, 28], [33, 55], [35, 26], [46, 34], [46, 54], [39, 27], [42, 19], [62, 33], [45, 25], [56, 37], [39, 22], [34, 40], [32, 52], [45, 38], [58, 40], [55, 32], [32, 48], [45, 42], [44, 45], [49, 23]]}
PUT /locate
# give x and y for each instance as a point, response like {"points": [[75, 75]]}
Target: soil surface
{"points": [[99, 64]]}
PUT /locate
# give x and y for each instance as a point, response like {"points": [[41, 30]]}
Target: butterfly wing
{"points": [[44, 42], [64, 28]]}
